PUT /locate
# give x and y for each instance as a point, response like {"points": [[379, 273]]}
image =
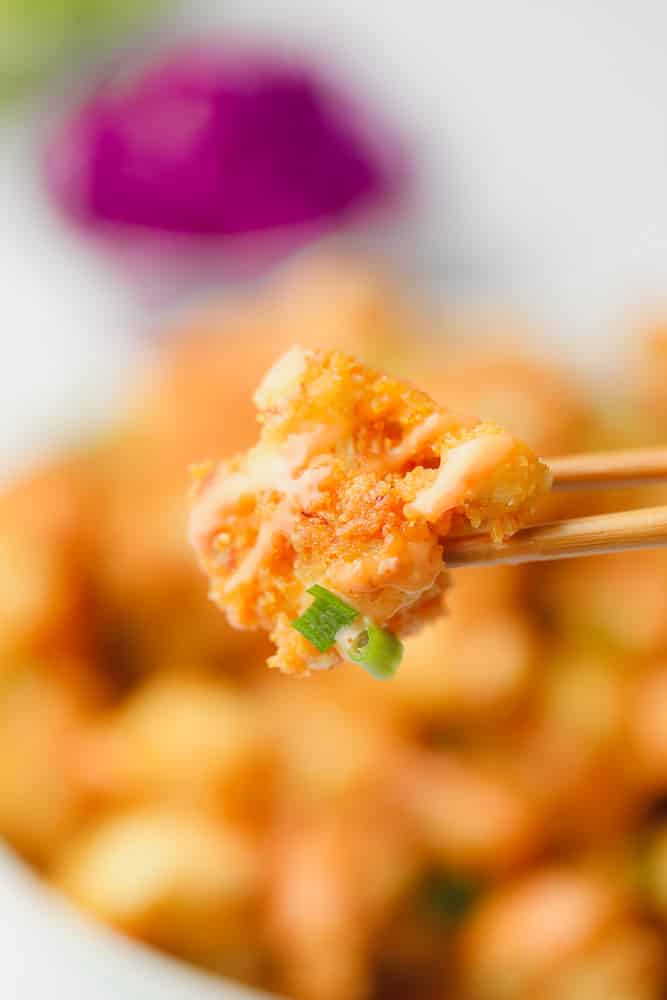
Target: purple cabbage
{"points": [[212, 141]]}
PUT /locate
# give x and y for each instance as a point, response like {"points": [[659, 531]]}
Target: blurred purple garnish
{"points": [[214, 141]]}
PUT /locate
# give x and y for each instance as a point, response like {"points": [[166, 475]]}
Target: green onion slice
{"points": [[377, 650], [448, 896], [321, 622]]}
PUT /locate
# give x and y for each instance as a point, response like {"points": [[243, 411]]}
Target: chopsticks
{"points": [[645, 528], [633, 467], [580, 536]]}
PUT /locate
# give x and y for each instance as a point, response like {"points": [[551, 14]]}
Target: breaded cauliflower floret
{"points": [[355, 483]]}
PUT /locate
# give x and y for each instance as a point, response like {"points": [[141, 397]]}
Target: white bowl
{"points": [[48, 948]]}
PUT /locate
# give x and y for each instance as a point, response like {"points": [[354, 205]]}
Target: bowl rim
{"points": [[101, 962]]}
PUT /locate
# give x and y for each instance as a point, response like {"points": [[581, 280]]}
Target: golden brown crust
{"points": [[355, 483]]}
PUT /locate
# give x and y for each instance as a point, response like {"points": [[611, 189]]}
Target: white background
{"points": [[542, 131]]}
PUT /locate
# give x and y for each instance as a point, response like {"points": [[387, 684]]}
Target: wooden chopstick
{"points": [[644, 528], [633, 467]]}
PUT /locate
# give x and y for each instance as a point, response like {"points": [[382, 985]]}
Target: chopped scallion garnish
{"points": [[448, 896], [378, 650], [321, 622]]}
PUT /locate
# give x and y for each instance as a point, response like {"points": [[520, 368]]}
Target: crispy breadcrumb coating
{"points": [[355, 483]]}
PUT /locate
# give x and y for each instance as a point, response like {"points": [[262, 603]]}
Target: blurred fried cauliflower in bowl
{"points": [[488, 825]]}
